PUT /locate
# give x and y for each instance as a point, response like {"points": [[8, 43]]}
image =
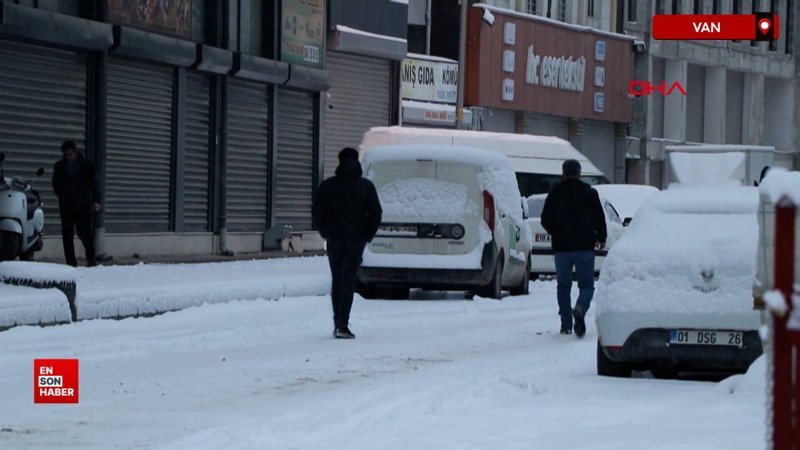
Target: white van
{"points": [[536, 160], [452, 220]]}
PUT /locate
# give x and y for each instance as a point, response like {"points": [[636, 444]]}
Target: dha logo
{"points": [[55, 381], [642, 88]]}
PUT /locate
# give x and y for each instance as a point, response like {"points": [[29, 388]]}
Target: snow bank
{"points": [[30, 306], [675, 258], [425, 199], [626, 198], [120, 291], [471, 260], [780, 183], [37, 271]]}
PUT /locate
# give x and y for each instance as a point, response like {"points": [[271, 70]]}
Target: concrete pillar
{"points": [[714, 106], [620, 151], [753, 113], [675, 104]]}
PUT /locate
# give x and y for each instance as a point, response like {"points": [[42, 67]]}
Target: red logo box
{"points": [[55, 381]]}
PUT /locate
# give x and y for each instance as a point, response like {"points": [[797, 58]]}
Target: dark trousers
{"points": [[80, 220], [344, 257], [583, 261]]}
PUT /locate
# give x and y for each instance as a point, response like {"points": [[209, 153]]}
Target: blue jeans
{"points": [[584, 273]]}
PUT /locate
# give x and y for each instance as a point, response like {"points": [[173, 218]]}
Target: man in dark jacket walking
{"points": [[75, 185], [573, 215], [347, 212]]}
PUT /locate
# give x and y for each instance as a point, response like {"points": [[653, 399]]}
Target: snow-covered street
{"points": [[438, 371]]}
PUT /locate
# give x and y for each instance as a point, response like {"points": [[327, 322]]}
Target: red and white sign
{"points": [[55, 381], [746, 27]]}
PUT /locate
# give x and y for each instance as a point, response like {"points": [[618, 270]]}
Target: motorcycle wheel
{"points": [[9, 245]]}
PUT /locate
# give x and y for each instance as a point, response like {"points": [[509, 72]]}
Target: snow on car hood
{"points": [[690, 250], [425, 200]]}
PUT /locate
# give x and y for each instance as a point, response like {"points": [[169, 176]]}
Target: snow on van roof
{"points": [[704, 199], [718, 148], [530, 153], [780, 183], [413, 152]]}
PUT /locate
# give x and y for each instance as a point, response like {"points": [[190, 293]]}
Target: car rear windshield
{"points": [[535, 183], [535, 206]]}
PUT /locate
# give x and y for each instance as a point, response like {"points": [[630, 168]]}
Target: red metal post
{"points": [[786, 395]]}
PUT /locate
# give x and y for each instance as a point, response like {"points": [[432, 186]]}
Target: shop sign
{"points": [[429, 81], [302, 32]]}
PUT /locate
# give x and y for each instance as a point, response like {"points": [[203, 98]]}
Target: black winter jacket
{"points": [[75, 185], [573, 215], [347, 205]]}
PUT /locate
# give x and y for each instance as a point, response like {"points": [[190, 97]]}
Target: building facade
{"points": [[210, 121], [737, 92]]}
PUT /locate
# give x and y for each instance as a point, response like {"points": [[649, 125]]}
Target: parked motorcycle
{"points": [[21, 216]]}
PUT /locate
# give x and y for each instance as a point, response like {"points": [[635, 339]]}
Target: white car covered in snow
{"points": [[542, 260], [452, 220], [675, 291], [626, 198]]}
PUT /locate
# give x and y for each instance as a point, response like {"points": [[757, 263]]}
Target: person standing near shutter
{"points": [[574, 217], [75, 185], [347, 212]]}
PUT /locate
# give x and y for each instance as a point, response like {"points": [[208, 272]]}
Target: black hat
{"points": [[348, 153], [571, 168]]}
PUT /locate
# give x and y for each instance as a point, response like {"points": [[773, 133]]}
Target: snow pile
{"points": [[37, 271], [120, 291], [707, 168], [498, 179], [775, 302], [780, 183], [752, 383], [30, 306], [416, 152], [425, 200], [675, 258], [626, 198]]}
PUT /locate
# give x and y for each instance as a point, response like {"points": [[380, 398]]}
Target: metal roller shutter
{"points": [[598, 145], [360, 99], [139, 146], [247, 156], [544, 125], [42, 103], [295, 174], [196, 181], [499, 120]]}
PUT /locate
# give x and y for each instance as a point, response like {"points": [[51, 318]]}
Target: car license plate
{"points": [[399, 230], [706, 337], [543, 237]]}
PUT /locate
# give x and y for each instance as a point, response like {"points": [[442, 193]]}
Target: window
{"points": [[531, 7], [676, 6], [773, 7], [698, 7], [631, 10], [590, 8], [562, 10], [788, 27]]}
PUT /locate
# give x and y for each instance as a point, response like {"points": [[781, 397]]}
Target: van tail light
{"points": [[488, 210]]}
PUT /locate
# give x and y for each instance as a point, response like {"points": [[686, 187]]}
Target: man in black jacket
{"points": [[347, 212], [75, 185], [573, 215]]}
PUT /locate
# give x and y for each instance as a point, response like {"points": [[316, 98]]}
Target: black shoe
{"points": [[580, 324], [565, 330], [343, 333]]}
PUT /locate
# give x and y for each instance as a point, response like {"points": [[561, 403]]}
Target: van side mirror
{"points": [[627, 221], [40, 171]]}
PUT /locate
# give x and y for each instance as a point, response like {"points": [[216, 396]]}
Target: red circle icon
{"points": [[764, 25]]}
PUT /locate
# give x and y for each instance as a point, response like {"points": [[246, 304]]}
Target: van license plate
{"points": [[399, 230], [703, 337], [543, 237]]}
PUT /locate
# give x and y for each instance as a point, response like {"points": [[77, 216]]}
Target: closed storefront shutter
{"points": [[139, 146], [598, 145], [42, 103], [359, 99], [196, 178], [499, 120], [295, 171], [544, 125], [247, 156]]}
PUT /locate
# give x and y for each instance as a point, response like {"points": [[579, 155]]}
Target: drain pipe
{"points": [[222, 102]]}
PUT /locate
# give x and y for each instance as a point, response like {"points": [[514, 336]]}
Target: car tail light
{"points": [[488, 209], [613, 349]]}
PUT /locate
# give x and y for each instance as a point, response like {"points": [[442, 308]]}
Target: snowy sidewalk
{"points": [[146, 289]]}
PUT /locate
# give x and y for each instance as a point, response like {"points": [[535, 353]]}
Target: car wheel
{"points": [[9, 245], [609, 368], [366, 290], [495, 287], [523, 288]]}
